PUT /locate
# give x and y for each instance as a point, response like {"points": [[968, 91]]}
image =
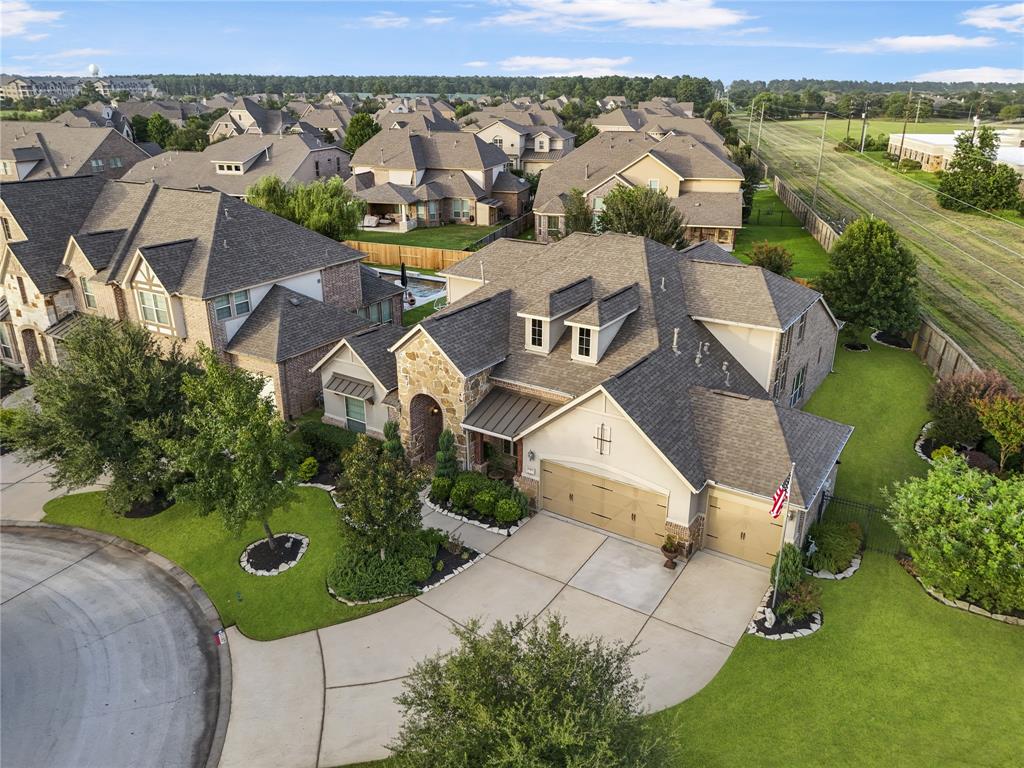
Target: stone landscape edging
{"points": [[198, 596], [816, 622], [243, 560], [963, 605], [874, 338], [492, 528], [829, 576], [920, 442], [453, 574]]}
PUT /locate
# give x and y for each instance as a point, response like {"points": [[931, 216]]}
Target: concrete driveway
{"points": [[684, 622], [25, 488], [107, 660]]}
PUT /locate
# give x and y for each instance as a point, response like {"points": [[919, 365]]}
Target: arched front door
{"points": [[31, 345], [426, 420]]}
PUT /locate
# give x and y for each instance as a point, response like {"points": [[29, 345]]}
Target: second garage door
{"points": [[621, 508], [740, 526]]}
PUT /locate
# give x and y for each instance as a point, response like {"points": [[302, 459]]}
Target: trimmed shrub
{"points": [[951, 405], [906, 164], [790, 571], [359, 575], [419, 568], [801, 601], [326, 442], [446, 464], [507, 511], [835, 546], [484, 502], [772, 257], [440, 490], [308, 469], [466, 487]]}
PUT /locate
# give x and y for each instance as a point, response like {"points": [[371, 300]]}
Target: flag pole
{"points": [[782, 541]]}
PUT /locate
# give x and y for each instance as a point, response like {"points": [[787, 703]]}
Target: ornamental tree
{"points": [[579, 216], [446, 464], [236, 456], [361, 128], [106, 410], [524, 695], [382, 506], [772, 257], [1003, 418], [327, 206], [645, 212], [952, 405], [965, 531], [872, 278], [159, 128]]}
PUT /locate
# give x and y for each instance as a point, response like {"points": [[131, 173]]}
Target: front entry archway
{"points": [[31, 346], [426, 421]]}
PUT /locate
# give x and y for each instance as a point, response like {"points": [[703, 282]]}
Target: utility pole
{"points": [[918, 115], [863, 128], [750, 122], [821, 150], [903, 138], [760, 125], [849, 117]]}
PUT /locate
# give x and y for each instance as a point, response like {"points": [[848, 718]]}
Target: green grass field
{"points": [[836, 129], [770, 220], [457, 237], [17, 114], [263, 608]]}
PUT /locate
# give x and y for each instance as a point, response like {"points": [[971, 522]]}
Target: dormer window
{"points": [[583, 342], [229, 167], [537, 333]]}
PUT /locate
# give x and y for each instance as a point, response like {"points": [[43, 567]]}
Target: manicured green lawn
{"points": [[882, 394], [770, 220], [454, 236], [263, 607], [412, 316], [892, 678]]}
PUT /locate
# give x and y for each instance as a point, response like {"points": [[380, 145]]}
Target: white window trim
{"points": [[140, 293]]}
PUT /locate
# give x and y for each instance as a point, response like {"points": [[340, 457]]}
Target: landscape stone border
{"points": [[453, 574], [874, 338], [963, 605], [854, 567], [492, 528], [919, 444], [244, 559], [194, 591], [816, 622]]}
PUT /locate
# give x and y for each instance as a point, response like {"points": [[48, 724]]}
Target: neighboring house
{"points": [[245, 115], [657, 125], [233, 165], [59, 88], [196, 267], [635, 388], [429, 109], [177, 113], [529, 148], [97, 115], [327, 118], [558, 103], [608, 103], [426, 180], [703, 185], [531, 115], [935, 150], [35, 150], [219, 101], [665, 106], [133, 86]]}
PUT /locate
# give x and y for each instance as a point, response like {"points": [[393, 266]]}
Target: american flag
{"points": [[780, 498]]}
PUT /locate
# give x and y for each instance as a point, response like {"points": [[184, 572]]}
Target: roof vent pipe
{"points": [[675, 332], [663, 288], [586, 171]]}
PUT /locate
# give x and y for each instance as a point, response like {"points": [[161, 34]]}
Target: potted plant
{"points": [[670, 549]]}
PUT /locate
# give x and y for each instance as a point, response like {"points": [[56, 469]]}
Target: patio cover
{"points": [[503, 413], [387, 194], [342, 385]]}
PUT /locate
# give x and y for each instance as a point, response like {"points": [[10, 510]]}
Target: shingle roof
{"points": [[372, 346], [473, 335], [604, 310], [449, 150], [742, 293], [61, 149], [49, 211], [564, 299], [286, 323], [375, 288], [659, 122], [169, 261], [100, 247], [509, 182], [710, 209]]}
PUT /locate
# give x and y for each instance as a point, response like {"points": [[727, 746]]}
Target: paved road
{"points": [[107, 661]]}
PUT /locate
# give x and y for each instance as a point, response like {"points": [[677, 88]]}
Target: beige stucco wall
{"points": [[458, 287], [346, 363], [710, 185], [569, 440], [647, 168], [752, 347]]}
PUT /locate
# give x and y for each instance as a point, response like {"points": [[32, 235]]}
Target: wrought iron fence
{"points": [[878, 534]]}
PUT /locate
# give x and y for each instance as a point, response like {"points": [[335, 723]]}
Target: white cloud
{"points": [[542, 66], [917, 44], [436, 20], [1008, 18], [476, 64], [386, 20], [648, 14], [37, 37], [974, 75], [18, 16], [71, 53]]}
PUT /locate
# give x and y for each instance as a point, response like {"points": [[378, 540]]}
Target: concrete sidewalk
{"points": [[326, 698]]}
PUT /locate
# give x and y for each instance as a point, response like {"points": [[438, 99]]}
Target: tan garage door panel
{"points": [[741, 527], [621, 508]]}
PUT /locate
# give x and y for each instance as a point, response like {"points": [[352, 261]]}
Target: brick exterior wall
{"points": [[342, 286], [815, 351], [115, 146], [301, 389]]}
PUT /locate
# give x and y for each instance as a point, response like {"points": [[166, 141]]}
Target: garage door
{"points": [[740, 526], [621, 508]]}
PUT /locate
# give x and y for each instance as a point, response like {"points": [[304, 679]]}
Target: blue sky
{"points": [[715, 38]]}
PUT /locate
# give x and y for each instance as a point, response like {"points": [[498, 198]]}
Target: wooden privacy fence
{"points": [[414, 256], [819, 229], [939, 352]]}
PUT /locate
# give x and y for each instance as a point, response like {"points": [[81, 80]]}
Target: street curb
{"points": [[192, 588]]}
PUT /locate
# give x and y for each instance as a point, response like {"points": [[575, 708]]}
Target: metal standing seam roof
{"points": [[60, 329], [343, 385], [507, 413]]}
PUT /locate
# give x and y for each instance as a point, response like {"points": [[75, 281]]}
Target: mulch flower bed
{"points": [[1015, 616], [487, 523], [856, 347], [452, 564], [889, 340], [780, 630], [150, 508], [260, 560]]}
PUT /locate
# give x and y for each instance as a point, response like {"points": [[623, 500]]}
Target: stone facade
{"points": [[692, 534], [342, 286], [423, 369], [31, 317]]}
